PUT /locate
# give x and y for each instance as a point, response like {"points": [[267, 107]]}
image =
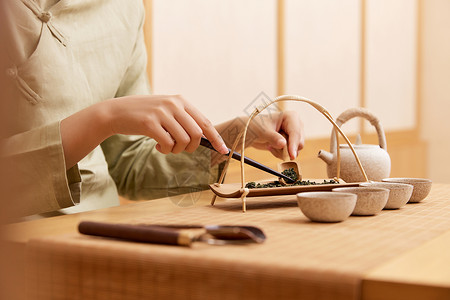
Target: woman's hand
{"points": [[269, 131], [174, 123], [266, 132]]}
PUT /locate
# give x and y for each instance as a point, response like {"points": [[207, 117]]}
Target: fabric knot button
{"points": [[11, 72], [45, 16]]}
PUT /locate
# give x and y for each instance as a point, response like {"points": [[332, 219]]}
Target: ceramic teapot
{"points": [[374, 158]]}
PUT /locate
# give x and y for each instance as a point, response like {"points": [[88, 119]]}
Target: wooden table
{"points": [[422, 272]]}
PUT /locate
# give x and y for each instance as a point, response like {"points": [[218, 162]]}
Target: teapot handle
{"points": [[359, 112]]}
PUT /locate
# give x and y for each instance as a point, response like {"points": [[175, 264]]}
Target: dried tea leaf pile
{"points": [[291, 174]]}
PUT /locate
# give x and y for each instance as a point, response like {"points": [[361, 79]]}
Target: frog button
{"points": [[11, 72], [45, 16]]}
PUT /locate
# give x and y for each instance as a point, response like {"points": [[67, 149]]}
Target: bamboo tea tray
{"points": [[234, 190]]}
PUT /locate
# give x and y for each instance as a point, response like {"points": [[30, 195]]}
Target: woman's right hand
{"points": [[172, 121]]}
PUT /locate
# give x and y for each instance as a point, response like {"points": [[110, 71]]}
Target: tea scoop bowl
{"points": [[288, 164], [369, 201], [326, 206], [422, 187], [399, 193]]}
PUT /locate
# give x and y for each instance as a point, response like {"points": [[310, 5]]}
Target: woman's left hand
{"points": [[270, 132], [266, 132]]}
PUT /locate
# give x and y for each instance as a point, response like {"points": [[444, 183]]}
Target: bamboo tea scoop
{"points": [[204, 142], [289, 164]]}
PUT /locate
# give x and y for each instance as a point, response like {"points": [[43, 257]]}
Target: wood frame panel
{"points": [[280, 51], [148, 33]]}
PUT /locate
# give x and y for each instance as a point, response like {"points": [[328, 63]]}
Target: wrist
{"points": [[102, 116]]}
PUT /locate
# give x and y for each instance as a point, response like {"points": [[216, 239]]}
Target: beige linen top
{"points": [[67, 55]]}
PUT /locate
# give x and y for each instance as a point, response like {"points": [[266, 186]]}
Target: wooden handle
{"points": [[137, 233]]}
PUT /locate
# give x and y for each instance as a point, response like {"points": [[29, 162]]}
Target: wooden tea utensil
{"points": [[288, 163], [175, 234]]}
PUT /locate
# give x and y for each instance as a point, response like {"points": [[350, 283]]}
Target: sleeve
{"points": [[138, 169], [41, 182], [141, 172]]}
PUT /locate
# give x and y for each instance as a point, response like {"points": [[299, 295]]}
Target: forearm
{"points": [[83, 131]]}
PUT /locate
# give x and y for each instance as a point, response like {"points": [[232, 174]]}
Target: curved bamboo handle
{"points": [[366, 114]]}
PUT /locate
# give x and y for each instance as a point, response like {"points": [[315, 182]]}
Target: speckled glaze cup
{"points": [[370, 200], [422, 187], [326, 206], [399, 193]]}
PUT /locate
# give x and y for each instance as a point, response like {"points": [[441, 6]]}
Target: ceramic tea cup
{"points": [[399, 193], [326, 206], [370, 200], [421, 186]]}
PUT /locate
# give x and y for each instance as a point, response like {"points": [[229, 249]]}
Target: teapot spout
{"points": [[326, 156]]}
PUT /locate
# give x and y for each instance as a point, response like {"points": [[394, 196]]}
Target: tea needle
{"points": [[206, 143]]}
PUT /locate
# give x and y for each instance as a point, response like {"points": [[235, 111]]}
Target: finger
{"points": [[164, 139], [208, 129], [178, 133], [277, 153], [296, 142], [292, 126], [294, 146], [274, 139], [192, 129]]}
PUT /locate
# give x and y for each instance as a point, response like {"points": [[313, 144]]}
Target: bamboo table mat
{"points": [[299, 260]]}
